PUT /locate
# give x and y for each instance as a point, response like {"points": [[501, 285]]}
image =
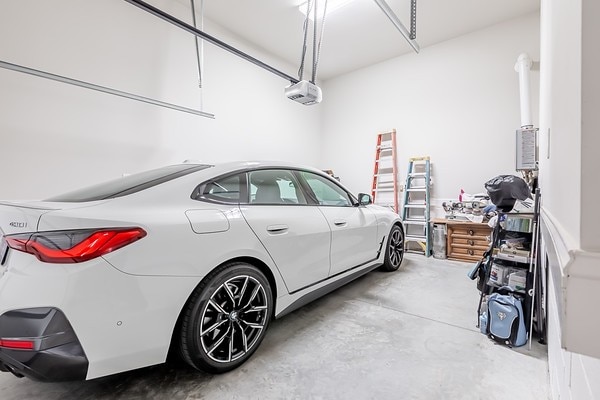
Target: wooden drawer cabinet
{"points": [[466, 241]]}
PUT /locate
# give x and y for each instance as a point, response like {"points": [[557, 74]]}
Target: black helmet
{"points": [[505, 190]]}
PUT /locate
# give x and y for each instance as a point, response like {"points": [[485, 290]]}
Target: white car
{"points": [[191, 258]]}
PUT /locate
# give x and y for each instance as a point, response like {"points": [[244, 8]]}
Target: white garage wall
{"points": [[560, 116], [457, 101], [569, 125], [590, 143], [56, 137]]}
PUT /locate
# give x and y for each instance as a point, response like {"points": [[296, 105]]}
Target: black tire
{"points": [[226, 318], [394, 250]]}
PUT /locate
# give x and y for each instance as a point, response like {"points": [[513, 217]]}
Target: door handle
{"points": [[277, 228], [339, 222]]}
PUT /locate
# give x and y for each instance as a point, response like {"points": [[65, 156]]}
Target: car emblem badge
{"points": [[18, 224], [501, 315], [233, 316]]}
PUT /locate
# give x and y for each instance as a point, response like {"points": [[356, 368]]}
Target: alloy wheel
{"points": [[396, 248], [233, 319]]}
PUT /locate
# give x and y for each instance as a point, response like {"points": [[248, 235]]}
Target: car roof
{"points": [[230, 166], [224, 168]]}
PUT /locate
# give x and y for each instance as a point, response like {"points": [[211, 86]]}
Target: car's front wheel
{"points": [[394, 252], [226, 318]]}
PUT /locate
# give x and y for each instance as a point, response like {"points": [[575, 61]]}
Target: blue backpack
{"points": [[503, 321]]}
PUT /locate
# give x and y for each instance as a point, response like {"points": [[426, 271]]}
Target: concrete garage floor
{"points": [[404, 335]]}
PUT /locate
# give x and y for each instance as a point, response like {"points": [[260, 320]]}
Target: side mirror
{"points": [[364, 199]]}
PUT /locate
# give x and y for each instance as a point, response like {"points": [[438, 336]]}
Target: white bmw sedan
{"points": [[191, 258]]}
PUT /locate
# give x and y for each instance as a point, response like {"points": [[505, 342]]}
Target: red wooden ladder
{"points": [[385, 173]]}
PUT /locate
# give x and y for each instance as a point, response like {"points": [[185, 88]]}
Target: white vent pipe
{"points": [[523, 66]]}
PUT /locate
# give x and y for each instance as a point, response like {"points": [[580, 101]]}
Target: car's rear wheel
{"points": [[226, 318], [394, 252]]}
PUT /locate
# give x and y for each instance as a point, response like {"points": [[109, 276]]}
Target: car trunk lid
{"points": [[24, 216]]}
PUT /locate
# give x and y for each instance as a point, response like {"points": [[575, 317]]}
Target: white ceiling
{"points": [[359, 34]]}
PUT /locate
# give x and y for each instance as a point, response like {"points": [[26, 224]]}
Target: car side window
{"points": [[226, 190], [275, 186], [326, 192]]}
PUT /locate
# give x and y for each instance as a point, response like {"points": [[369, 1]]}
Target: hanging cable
{"points": [[201, 27], [103, 89], [399, 25], [209, 38], [316, 61], [413, 19], [199, 44], [314, 55], [305, 28], [306, 91]]}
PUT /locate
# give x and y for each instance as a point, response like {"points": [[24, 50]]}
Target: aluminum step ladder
{"points": [[416, 206], [384, 189]]}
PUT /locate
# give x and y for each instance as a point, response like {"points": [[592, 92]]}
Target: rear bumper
{"points": [[57, 354]]}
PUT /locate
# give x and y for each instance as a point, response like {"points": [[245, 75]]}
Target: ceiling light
{"points": [[332, 5]]}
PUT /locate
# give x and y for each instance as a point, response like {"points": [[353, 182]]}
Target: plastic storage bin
{"points": [[439, 241]]}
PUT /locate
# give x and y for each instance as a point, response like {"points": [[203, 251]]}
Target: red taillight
{"points": [[17, 242], [74, 246], [17, 344]]}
